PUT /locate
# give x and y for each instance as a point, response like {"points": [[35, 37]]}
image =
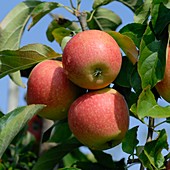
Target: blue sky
{"points": [[37, 35]]}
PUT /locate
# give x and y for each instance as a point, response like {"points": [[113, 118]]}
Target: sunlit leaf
{"points": [[132, 4], [60, 22], [13, 122], [60, 33], [151, 63], [25, 57], [143, 12], [166, 3], [11, 30], [135, 31], [127, 45], [130, 141], [104, 19], [50, 158], [98, 3], [41, 10], [152, 152], [147, 106]]}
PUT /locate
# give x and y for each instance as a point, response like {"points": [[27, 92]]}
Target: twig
{"points": [[150, 129], [82, 19]]}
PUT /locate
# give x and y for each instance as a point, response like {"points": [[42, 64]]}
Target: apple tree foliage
{"points": [[143, 43]]}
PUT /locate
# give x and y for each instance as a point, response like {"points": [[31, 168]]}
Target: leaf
{"points": [[59, 22], [98, 3], [160, 17], [61, 132], [104, 19], [143, 12], [11, 32], [130, 141], [25, 57], [50, 158], [166, 3], [126, 44], [124, 76], [132, 4], [60, 33], [13, 122], [152, 152], [69, 169], [74, 156], [41, 10], [151, 63], [135, 31], [147, 106], [89, 165]]}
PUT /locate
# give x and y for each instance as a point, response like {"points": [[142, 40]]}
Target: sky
{"points": [[37, 35]]}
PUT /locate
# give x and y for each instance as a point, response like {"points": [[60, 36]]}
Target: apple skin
{"points": [[47, 84], [163, 87], [92, 59], [99, 119]]}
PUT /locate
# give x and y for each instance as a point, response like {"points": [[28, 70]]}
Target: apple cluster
{"points": [[77, 88]]}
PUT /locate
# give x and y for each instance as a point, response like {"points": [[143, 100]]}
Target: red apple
{"points": [[99, 119], [47, 84], [92, 59], [163, 87]]}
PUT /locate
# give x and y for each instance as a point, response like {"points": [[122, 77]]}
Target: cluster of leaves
{"points": [[143, 43]]}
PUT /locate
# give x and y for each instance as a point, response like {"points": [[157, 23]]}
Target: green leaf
{"points": [[13, 122], [124, 76], [135, 81], [126, 44], [64, 41], [130, 141], [160, 17], [1, 114], [74, 156], [152, 59], [60, 33], [135, 31], [61, 132], [152, 152], [41, 10], [60, 22], [98, 3], [69, 169], [103, 159], [25, 57], [166, 3], [11, 32], [50, 158], [119, 165], [147, 106], [132, 4], [104, 19], [143, 12]]}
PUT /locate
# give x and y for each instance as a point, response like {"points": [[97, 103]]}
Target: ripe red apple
{"points": [[163, 87], [92, 59], [47, 84], [99, 119]]}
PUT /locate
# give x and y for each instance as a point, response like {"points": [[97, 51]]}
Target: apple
{"points": [[99, 119], [163, 87], [92, 59], [47, 84]]}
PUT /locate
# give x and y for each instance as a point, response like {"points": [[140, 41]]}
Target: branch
{"points": [[82, 19]]}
